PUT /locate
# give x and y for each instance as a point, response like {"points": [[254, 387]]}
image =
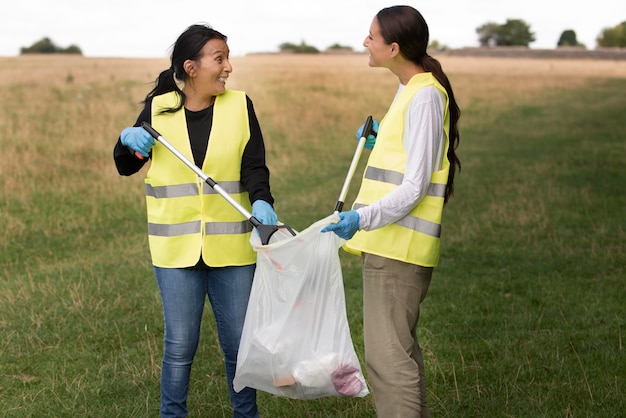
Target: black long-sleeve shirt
{"points": [[254, 171]]}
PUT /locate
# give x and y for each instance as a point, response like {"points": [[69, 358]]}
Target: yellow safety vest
{"points": [[186, 217], [415, 238]]}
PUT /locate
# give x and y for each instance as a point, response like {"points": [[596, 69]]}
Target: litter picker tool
{"points": [[367, 128], [265, 231]]}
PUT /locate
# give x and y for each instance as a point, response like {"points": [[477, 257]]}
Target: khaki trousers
{"points": [[392, 293]]}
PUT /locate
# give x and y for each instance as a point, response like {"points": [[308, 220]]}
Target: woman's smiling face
{"points": [[379, 50], [213, 68]]}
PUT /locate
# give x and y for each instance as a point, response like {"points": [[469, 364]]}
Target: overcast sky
{"points": [[147, 28]]}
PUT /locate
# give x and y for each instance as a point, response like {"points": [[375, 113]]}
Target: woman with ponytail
{"points": [[395, 222], [199, 243]]}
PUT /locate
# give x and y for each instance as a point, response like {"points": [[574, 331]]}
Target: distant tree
{"points": [[46, 46], [287, 46], [488, 34], [303, 48], [436, 46], [514, 32], [338, 46], [43, 46], [613, 37], [568, 38], [72, 49]]}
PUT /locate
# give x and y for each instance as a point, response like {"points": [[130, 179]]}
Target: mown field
{"points": [[525, 316]]}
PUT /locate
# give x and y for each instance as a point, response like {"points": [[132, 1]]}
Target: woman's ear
{"points": [[395, 49], [190, 68]]}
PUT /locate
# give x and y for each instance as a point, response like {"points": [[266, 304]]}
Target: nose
{"points": [[228, 67], [366, 41]]}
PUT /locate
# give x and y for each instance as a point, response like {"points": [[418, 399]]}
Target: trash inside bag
{"points": [[296, 340]]}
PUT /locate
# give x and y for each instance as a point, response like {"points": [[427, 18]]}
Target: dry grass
{"points": [[64, 113], [59, 69]]}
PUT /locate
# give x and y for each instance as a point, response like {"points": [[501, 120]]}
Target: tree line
{"points": [[46, 46], [514, 32]]}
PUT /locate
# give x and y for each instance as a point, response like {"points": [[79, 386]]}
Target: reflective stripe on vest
{"points": [[193, 227], [394, 177], [172, 230], [416, 224], [190, 189], [166, 192], [216, 228]]}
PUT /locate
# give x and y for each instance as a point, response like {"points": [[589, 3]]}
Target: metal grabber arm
{"points": [[367, 129]]}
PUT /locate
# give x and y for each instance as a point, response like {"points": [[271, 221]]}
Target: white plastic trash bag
{"points": [[296, 340]]}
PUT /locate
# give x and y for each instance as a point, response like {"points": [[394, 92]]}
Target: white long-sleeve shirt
{"points": [[423, 140]]}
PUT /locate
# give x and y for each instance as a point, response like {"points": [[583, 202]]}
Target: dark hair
{"points": [[406, 26], [188, 46]]}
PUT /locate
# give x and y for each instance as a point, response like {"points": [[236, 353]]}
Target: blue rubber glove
{"points": [[371, 138], [264, 212], [137, 139], [347, 226]]}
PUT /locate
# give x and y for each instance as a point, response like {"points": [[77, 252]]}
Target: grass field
{"points": [[526, 314]]}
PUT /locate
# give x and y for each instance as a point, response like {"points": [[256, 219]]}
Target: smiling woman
{"points": [[199, 245]]}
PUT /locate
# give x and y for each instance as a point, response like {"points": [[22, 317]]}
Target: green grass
{"points": [[525, 316]]}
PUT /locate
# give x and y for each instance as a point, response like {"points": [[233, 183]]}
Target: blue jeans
{"points": [[183, 294]]}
